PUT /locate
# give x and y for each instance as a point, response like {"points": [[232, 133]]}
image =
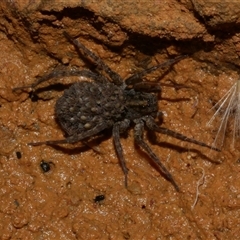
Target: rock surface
{"points": [[59, 204]]}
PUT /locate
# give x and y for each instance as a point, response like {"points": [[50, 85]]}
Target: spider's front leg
{"points": [[138, 135], [118, 128], [154, 127], [138, 77]]}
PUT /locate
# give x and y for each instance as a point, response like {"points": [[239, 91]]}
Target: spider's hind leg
{"points": [[74, 138], [115, 77], [60, 72]]}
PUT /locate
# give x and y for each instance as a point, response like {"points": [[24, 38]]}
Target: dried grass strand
{"points": [[199, 183], [228, 106]]}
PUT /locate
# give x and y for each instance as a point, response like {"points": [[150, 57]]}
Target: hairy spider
{"points": [[89, 107]]}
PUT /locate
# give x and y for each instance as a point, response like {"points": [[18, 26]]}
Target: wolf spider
{"points": [[108, 101]]}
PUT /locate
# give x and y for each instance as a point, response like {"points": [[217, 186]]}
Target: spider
{"points": [[110, 102]]}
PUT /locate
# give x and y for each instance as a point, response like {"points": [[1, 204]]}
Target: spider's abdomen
{"points": [[87, 104]]}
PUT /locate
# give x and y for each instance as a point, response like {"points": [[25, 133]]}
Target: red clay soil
{"points": [[62, 203]]}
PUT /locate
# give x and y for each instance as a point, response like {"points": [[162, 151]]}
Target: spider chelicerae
{"points": [[109, 102]]}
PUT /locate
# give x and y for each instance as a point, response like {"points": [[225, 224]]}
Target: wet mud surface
{"points": [[77, 191]]}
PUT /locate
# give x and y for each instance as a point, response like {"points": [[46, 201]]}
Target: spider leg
{"points": [[154, 127], [117, 129], [97, 60], [145, 86], [138, 135], [64, 73], [86, 143], [74, 138], [136, 78]]}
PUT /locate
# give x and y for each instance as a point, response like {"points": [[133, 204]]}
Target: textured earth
{"points": [[82, 196]]}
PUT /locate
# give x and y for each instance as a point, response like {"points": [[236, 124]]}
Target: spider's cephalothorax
{"points": [[139, 104], [108, 101]]}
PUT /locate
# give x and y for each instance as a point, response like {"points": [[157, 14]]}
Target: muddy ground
{"points": [[63, 201]]}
